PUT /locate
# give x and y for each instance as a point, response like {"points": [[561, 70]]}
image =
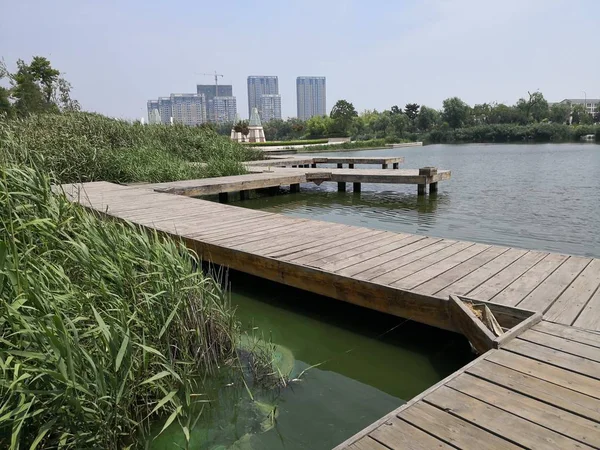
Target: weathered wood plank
{"points": [[544, 371], [498, 421], [543, 414], [557, 358], [451, 429], [397, 434], [569, 304], [522, 286], [562, 344], [590, 315], [482, 274], [456, 273], [469, 325], [559, 396], [367, 443], [489, 289], [571, 333], [548, 290]]}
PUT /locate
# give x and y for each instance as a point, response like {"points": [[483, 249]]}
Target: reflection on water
{"points": [[543, 197]]}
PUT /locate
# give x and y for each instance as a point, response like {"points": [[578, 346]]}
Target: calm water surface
{"points": [[542, 197]]}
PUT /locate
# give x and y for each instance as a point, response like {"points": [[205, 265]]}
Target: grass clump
{"points": [[104, 328], [80, 146]]}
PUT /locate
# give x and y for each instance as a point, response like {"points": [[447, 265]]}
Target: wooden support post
{"points": [[244, 195], [223, 197], [356, 187], [273, 190], [306, 166], [313, 165], [395, 165], [427, 172], [350, 166], [294, 188], [341, 186], [433, 188], [421, 189], [384, 166], [340, 166]]}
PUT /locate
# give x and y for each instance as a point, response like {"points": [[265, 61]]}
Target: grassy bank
{"points": [[90, 147], [284, 143], [539, 132]]}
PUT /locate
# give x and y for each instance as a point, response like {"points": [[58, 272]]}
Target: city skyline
{"points": [[311, 94], [374, 55], [259, 85]]}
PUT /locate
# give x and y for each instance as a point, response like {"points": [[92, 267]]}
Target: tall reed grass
{"points": [[104, 328], [83, 146]]}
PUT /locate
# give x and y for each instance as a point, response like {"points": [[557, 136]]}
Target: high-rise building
{"points": [[224, 109], [188, 109], [311, 93], [210, 92], [259, 86], [270, 107]]}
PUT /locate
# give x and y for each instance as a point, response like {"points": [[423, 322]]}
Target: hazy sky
{"points": [[118, 54]]}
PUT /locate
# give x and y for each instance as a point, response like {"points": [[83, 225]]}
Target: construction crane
{"points": [[216, 75]]}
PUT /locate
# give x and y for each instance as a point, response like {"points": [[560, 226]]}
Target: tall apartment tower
{"points": [[258, 86], [210, 92], [310, 92], [224, 109], [270, 107], [187, 109]]}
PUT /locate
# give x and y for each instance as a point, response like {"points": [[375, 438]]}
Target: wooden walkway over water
{"points": [[540, 390]]}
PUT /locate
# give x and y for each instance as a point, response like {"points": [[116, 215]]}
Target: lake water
{"points": [[539, 196], [544, 197]]}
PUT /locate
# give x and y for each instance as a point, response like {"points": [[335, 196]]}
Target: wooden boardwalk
{"points": [[539, 390]]}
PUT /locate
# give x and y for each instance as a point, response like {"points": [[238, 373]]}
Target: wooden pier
{"points": [[540, 388]]}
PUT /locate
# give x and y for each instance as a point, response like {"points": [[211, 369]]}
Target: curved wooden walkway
{"points": [[539, 390]]}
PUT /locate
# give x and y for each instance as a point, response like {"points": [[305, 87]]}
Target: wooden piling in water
{"points": [[294, 188], [356, 187]]}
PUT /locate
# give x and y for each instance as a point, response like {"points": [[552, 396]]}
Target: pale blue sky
{"points": [[118, 54]]}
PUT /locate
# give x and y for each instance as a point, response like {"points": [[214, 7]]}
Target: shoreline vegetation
{"points": [[109, 333]]}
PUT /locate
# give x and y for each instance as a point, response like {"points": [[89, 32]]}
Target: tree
{"points": [[501, 113], [411, 110], [5, 106], [535, 108], [560, 113], [481, 114], [318, 126], [427, 118], [455, 112], [242, 127], [37, 87], [597, 115], [342, 114], [396, 110]]}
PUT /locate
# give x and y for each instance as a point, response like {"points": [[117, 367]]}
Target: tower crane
{"points": [[216, 75]]}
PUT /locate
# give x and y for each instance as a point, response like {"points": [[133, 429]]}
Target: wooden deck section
{"points": [[540, 390], [283, 176], [352, 160]]}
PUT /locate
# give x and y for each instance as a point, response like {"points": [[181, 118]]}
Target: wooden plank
{"points": [[469, 325], [527, 282], [456, 273], [384, 241], [489, 289], [367, 443], [543, 371], [556, 395], [543, 414], [516, 330], [590, 315], [557, 358], [422, 263], [482, 274], [548, 290], [397, 434], [497, 421], [440, 267], [562, 344], [242, 233], [373, 267], [365, 239], [451, 429], [415, 400], [571, 333], [569, 304], [394, 244]]}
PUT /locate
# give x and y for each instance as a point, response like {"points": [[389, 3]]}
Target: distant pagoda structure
{"points": [[257, 134]]}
